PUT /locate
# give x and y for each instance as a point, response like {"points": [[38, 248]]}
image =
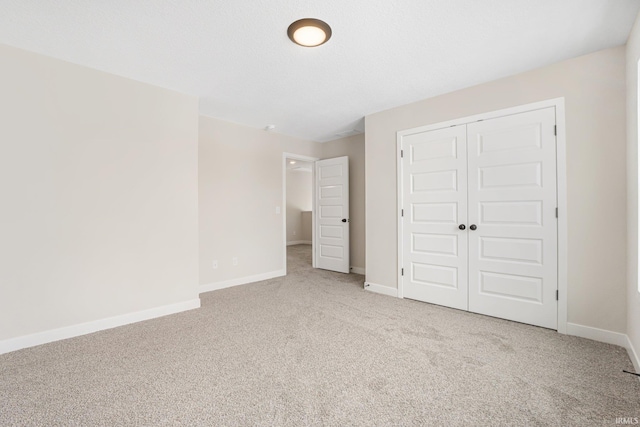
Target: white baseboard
{"points": [[299, 242], [602, 335], [357, 270], [633, 355], [17, 343], [240, 281], [379, 289]]}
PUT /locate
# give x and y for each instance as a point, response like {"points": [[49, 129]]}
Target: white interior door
{"points": [[434, 186], [332, 214], [512, 218]]}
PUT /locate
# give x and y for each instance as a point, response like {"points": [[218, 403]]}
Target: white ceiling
{"points": [[235, 54]]}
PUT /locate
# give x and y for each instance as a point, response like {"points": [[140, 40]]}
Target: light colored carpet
{"points": [[314, 348]]}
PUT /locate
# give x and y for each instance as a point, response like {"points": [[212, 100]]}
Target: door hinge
{"points": [[402, 212], [401, 153], [556, 212], [402, 272], [555, 130], [557, 295]]}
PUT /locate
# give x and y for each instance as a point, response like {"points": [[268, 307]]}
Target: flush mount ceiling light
{"points": [[309, 32]]}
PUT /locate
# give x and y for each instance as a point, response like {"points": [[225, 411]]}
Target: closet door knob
{"points": [[473, 226], [462, 227]]}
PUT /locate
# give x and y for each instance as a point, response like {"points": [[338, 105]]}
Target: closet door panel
{"points": [[435, 205], [513, 227]]}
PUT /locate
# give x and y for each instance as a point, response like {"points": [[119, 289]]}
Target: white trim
{"points": [[358, 270], [609, 337], [633, 355], [299, 242], [283, 208], [486, 116], [563, 216], [399, 192], [561, 162], [25, 341], [241, 281], [379, 289], [602, 335]]}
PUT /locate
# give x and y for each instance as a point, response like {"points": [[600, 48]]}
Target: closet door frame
{"points": [[561, 165]]}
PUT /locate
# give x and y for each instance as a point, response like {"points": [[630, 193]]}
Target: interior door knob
{"points": [[473, 226], [345, 220], [462, 226]]}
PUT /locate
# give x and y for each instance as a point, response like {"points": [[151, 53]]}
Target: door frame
{"points": [[561, 183], [302, 158]]}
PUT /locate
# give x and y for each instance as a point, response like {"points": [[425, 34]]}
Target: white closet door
{"points": [[434, 186], [332, 214], [512, 206]]}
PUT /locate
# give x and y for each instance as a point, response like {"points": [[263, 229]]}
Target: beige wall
{"points": [[633, 296], [594, 91], [240, 186], [98, 176], [307, 226], [299, 199]]}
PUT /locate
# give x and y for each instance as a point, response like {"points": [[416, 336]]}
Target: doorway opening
{"points": [[298, 218]]}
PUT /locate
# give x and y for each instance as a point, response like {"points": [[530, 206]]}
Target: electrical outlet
{"points": [[215, 263], [235, 261]]}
